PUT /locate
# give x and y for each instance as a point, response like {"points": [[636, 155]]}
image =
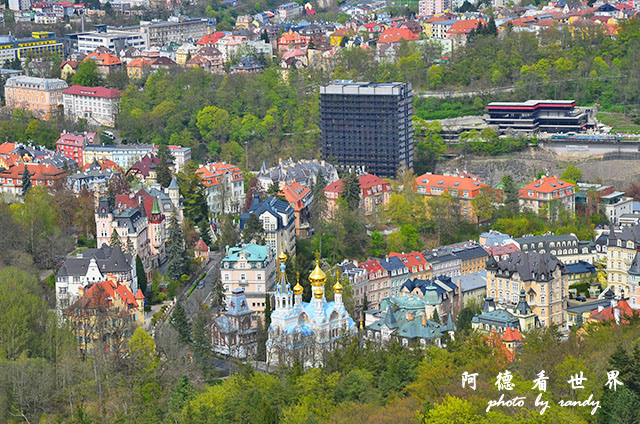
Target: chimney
{"points": [[600, 308], [424, 320], [616, 315], [409, 316]]}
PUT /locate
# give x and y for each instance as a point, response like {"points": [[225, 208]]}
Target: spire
{"points": [[390, 318], [523, 308], [491, 263], [317, 278], [174, 184], [337, 287], [298, 289], [155, 209]]}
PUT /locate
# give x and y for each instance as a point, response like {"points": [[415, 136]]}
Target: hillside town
{"points": [[319, 211]]}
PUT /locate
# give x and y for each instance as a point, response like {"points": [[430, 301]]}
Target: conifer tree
{"points": [[435, 317], [142, 276], [115, 239], [26, 181], [201, 341], [163, 171], [351, 190], [129, 248], [175, 250], [319, 202], [205, 234], [180, 323]]}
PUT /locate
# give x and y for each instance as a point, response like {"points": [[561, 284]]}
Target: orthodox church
{"points": [[306, 331]]}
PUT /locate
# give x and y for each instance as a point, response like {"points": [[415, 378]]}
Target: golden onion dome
{"points": [[317, 293], [282, 257], [298, 289], [317, 277], [337, 287]]}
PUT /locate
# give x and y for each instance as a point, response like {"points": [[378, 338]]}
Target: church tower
{"points": [[318, 279], [283, 294], [337, 293]]}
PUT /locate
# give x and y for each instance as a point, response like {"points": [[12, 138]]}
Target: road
{"points": [[465, 93], [201, 293]]}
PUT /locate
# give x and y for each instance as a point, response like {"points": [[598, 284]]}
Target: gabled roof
{"points": [[544, 185], [103, 59], [395, 35], [295, 194], [465, 27], [531, 266]]}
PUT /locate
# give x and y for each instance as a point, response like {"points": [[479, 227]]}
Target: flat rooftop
{"points": [[532, 104], [365, 88]]}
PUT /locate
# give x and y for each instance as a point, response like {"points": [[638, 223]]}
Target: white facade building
{"points": [[98, 105], [112, 40]]}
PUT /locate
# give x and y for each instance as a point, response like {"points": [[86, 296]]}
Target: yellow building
{"points": [[543, 278], [40, 43], [68, 69], [106, 313], [335, 39], [621, 249]]}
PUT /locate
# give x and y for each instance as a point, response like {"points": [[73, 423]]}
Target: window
{"points": [[259, 277], [542, 311]]}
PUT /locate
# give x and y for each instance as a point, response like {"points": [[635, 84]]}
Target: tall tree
{"points": [[351, 190], [253, 230], [175, 250], [510, 189], [180, 323], [205, 232], [141, 274], [319, 202], [87, 74], [26, 180], [165, 158], [200, 335], [228, 232], [193, 192], [115, 239]]}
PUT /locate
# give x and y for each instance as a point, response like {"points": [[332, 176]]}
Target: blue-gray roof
{"points": [[581, 267], [392, 263], [274, 206], [472, 281]]}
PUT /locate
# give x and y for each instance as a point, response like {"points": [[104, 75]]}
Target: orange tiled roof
{"points": [[211, 38], [448, 182], [295, 192], [608, 313], [39, 172], [465, 27], [140, 62], [104, 59], [7, 147], [213, 172], [395, 35], [201, 246], [546, 185]]}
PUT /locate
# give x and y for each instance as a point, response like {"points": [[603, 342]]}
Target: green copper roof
{"points": [[155, 208]]}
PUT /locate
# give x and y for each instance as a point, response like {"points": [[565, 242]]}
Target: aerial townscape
{"points": [[323, 211]]}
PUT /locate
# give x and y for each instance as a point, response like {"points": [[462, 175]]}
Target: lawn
{"points": [[619, 122]]}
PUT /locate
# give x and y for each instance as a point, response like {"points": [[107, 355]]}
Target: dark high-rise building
{"points": [[367, 125]]}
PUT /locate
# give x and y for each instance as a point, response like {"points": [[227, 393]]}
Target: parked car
{"points": [[581, 299]]}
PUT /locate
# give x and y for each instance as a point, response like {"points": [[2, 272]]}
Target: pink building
{"points": [[71, 145], [374, 194], [250, 267]]}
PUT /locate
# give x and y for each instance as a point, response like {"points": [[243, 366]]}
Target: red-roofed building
{"points": [[500, 253], [210, 39], [145, 169], [390, 40], [71, 145], [103, 164], [105, 315], [106, 62], [617, 313], [374, 194], [299, 197], [418, 265], [542, 192], [201, 250], [41, 175], [68, 68], [459, 30], [138, 67], [464, 188], [292, 41], [378, 286], [225, 187], [98, 105]]}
